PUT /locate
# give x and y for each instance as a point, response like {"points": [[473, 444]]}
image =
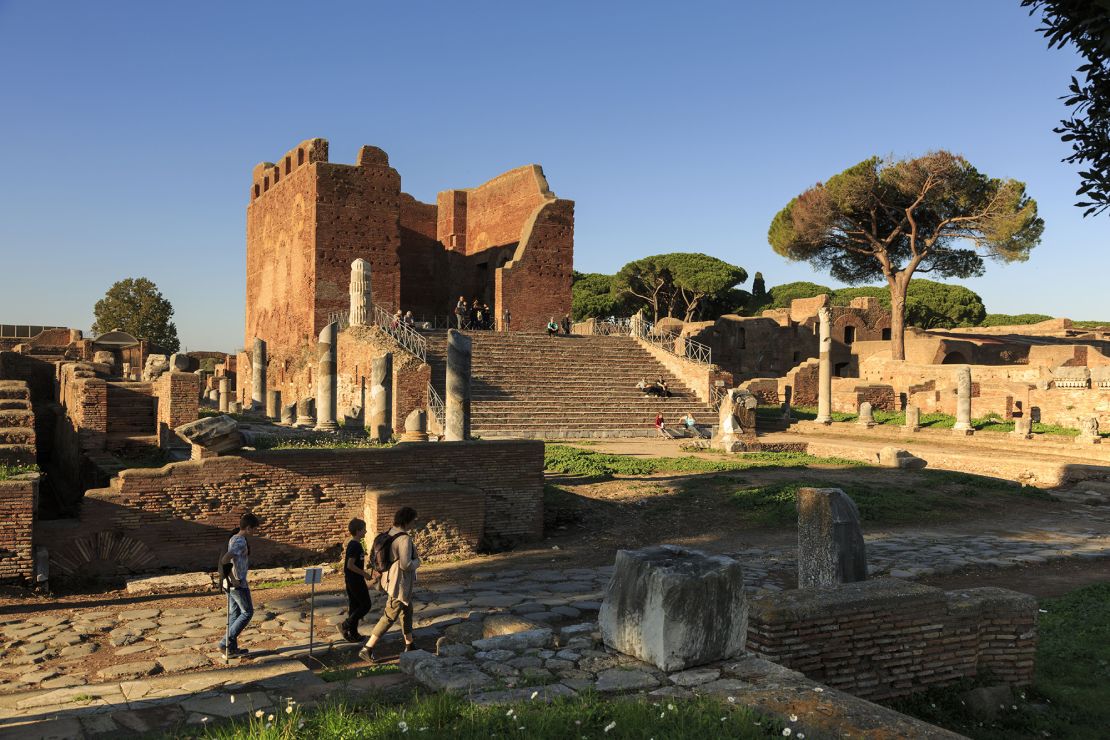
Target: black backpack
{"points": [[381, 551]]}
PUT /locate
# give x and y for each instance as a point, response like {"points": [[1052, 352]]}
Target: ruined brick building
{"points": [[508, 242]]}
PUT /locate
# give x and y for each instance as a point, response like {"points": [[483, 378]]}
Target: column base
{"points": [[965, 432], [1015, 435], [912, 430], [827, 420], [326, 426]]}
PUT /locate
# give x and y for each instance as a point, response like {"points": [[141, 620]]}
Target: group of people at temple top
{"points": [[391, 569], [476, 315], [554, 327]]}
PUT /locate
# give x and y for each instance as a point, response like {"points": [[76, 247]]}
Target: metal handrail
{"points": [[667, 341], [717, 394], [437, 407], [405, 335], [402, 333]]}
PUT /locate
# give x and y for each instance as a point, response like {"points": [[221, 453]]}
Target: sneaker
{"points": [[345, 633], [237, 652], [367, 654], [410, 646]]}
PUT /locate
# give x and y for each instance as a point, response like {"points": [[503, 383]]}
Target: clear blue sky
{"points": [[130, 128]]}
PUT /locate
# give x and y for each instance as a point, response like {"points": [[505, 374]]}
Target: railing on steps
{"points": [[668, 341], [437, 407], [405, 335]]}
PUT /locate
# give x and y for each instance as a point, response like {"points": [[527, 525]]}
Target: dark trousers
{"points": [[358, 605]]}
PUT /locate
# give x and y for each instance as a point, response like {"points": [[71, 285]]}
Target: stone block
{"points": [[675, 608], [214, 433], [893, 457], [830, 539]]}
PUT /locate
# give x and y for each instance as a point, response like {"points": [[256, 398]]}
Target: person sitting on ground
{"points": [[410, 320], [566, 324], [398, 583], [240, 607], [552, 327], [690, 424], [355, 577]]}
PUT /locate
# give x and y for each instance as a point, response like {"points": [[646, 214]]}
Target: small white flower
{"points": [[723, 718], [818, 689], [270, 718], [610, 726], [258, 713], [786, 732], [289, 709], [535, 694], [670, 707], [793, 718], [403, 726], [203, 720], [801, 736], [300, 724], [662, 715], [232, 697], [521, 727], [732, 700], [577, 721], [1014, 706]]}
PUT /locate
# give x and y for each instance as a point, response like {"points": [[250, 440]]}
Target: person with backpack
{"points": [[394, 556], [355, 577], [233, 578]]}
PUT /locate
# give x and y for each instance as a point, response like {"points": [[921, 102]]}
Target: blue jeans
{"points": [[241, 612]]}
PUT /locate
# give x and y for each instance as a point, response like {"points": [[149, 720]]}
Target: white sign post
{"points": [[312, 576]]}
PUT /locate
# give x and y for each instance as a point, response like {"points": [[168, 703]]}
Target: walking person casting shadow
{"points": [[233, 579], [394, 555]]}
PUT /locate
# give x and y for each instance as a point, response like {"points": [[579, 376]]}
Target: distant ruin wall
{"points": [[887, 638]]}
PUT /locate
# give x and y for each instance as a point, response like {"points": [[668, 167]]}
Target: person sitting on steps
{"points": [[661, 384], [552, 327], [398, 583]]}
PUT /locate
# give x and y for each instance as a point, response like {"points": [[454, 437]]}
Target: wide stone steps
{"points": [[533, 385]]}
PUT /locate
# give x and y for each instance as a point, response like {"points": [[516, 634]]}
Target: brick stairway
{"points": [[17, 424], [131, 415], [533, 385]]}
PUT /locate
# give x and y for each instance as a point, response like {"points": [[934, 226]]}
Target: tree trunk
{"points": [[899, 283]]}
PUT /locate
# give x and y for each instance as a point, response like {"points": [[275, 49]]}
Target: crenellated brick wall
{"points": [[182, 513], [18, 503], [887, 638]]}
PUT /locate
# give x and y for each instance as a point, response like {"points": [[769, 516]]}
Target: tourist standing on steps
{"points": [[461, 312], [239, 596], [398, 582], [355, 577], [566, 324]]}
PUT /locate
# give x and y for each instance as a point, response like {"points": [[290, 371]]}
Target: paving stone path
{"points": [[55, 650]]}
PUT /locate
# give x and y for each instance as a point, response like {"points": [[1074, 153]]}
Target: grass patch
{"points": [[341, 675], [10, 471], [989, 423], [318, 441], [1070, 696], [936, 496], [445, 715], [573, 461], [276, 584]]}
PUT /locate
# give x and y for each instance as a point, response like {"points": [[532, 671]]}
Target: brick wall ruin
{"points": [[178, 515], [18, 503], [886, 638]]}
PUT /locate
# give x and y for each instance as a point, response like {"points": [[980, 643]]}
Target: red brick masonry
{"points": [[18, 497], [887, 638], [181, 514]]}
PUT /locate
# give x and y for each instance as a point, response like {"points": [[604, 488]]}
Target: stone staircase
{"points": [[533, 385], [17, 424], [132, 418]]}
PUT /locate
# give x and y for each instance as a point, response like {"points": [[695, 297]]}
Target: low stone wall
{"points": [[887, 638], [18, 502], [179, 516], [178, 403]]}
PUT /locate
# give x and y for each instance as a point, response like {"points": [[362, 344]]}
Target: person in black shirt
{"points": [[355, 577]]}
